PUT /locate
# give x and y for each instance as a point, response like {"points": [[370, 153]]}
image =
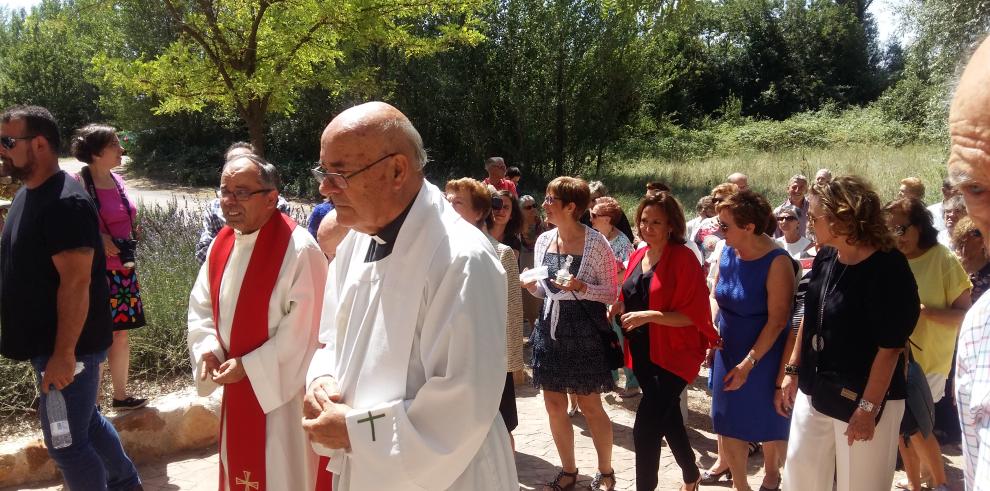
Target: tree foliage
{"points": [[254, 57]]}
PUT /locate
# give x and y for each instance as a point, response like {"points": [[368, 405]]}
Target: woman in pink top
{"points": [[98, 146]]}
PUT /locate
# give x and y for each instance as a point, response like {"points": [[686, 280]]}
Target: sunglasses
{"points": [[785, 219], [899, 230], [528, 207], [496, 203], [9, 142], [724, 227]]}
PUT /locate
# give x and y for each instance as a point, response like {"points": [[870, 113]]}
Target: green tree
{"points": [[254, 57], [44, 58]]}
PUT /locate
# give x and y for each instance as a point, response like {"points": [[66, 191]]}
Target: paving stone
{"points": [[536, 454]]}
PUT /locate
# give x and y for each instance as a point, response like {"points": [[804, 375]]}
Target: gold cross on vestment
{"points": [[371, 419], [246, 482]]}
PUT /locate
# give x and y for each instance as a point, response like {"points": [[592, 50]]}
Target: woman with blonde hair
{"points": [[844, 382]]}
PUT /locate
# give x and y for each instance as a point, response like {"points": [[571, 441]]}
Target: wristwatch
{"points": [[791, 369], [867, 406], [750, 359]]}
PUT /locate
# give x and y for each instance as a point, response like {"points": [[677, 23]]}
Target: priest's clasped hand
{"points": [[324, 417], [231, 371], [208, 366]]}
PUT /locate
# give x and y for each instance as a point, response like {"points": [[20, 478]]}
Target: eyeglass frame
{"points": [[339, 180], [899, 230], [786, 218], [9, 142], [241, 194]]}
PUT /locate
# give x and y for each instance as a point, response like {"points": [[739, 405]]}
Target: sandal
{"points": [[596, 483], [694, 485], [555, 485], [775, 488], [755, 448], [709, 477]]}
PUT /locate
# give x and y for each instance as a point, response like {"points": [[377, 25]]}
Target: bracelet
{"points": [[791, 369], [751, 359]]}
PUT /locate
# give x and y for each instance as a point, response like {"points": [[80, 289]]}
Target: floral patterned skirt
{"points": [[126, 308]]}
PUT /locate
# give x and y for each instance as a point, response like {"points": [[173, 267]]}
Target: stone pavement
{"points": [[536, 456]]}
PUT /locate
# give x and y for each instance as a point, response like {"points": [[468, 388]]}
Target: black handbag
{"points": [[832, 394], [612, 349]]}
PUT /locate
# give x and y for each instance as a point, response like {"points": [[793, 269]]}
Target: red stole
{"points": [[245, 440]]}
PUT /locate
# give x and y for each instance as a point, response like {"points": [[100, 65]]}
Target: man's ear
{"points": [[400, 171]]}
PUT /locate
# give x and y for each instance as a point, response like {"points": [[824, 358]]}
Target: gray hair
{"points": [[598, 188], [526, 199], [954, 202], [799, 177], [267, 173], [420, 158], [491, 161]]}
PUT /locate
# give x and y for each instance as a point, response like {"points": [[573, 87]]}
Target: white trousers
{"points": [[819, 449]]}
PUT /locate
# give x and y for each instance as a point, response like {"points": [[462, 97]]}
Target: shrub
{"points": [[167, 268]]}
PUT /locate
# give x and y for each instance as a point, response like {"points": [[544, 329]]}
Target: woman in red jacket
{"points": [[668, 325]]}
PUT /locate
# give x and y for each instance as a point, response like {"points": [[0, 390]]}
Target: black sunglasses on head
{"points": [[496, 203]]}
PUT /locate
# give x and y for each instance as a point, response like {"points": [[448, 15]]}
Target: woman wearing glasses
{"points": [[788, 218], [752, 299], [860, 307], [968, 243], [708, 232], [99, 147], [568, 356], [944, 289]]}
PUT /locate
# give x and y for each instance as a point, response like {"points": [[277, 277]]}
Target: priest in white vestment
{"points": [[288, 301], [405, 393]]}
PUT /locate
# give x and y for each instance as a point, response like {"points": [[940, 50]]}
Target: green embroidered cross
{"points": [[371, 419]]}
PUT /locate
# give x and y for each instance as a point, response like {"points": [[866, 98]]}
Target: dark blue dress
{"points": [[575, 361], [747, 413]]}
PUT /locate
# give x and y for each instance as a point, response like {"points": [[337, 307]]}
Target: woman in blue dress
{"points": [[754, 290]]}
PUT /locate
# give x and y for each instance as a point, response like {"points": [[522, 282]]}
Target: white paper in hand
{"points": [[535, 274]]}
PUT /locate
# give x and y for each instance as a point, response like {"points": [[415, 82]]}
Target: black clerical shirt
{"points": [[382, 242]]}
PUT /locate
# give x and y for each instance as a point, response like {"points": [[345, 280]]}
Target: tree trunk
{"points": [[560, 125], [254, 118]]}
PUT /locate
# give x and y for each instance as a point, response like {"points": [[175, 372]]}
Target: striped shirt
{"points": [[972, 386]]}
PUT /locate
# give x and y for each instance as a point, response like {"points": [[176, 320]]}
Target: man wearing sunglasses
{"points": [[53, 298], [406, 392]]}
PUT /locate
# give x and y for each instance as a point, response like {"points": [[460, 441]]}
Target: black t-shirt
{"points": [[42, 222], [874, 305]]}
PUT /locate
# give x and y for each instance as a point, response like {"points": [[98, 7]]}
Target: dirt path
{"points": [[152, 192]]}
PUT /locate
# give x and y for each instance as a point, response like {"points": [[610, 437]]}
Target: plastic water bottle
{"points": [[58, 419]]}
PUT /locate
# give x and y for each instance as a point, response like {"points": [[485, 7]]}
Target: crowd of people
{"points": [[379, 346]]}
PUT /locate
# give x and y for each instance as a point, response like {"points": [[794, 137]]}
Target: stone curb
{"points": [[173, 423]]}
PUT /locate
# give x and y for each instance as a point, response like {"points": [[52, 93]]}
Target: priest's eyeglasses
{"points": [[339, 180], [240, 194]]}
